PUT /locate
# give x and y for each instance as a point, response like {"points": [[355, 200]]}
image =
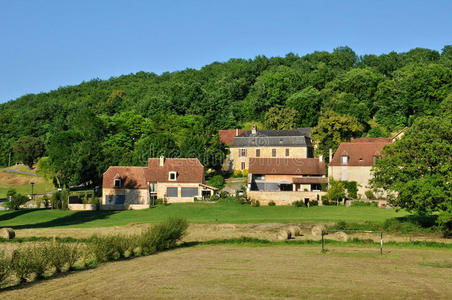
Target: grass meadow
{"points": [[201, 213]]}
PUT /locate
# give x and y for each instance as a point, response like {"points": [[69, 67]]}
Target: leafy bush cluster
{"points": [[364, 203], [17, 200], [217, 181], [47, 259]]}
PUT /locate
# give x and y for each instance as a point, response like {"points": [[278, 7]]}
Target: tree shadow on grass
{"points": [[73, 219], [14, 213]]}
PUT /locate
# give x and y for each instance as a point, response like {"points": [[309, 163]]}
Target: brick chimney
{"points": [[254, 130], [162, 161], [320, 158], [331, 155], [236, 132]]}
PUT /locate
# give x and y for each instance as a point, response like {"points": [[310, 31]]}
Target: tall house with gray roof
{"points": [[255, 143]]}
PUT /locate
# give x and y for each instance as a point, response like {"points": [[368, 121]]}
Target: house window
{"points": [[189, 192], [274, 152], [172, 192], [152, 187], [344, 159], [242, 152], [242, 166], [117, 183], [258, 152], [259, 177], [287, 152], [172, 175]]}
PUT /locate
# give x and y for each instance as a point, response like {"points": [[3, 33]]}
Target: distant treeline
{"points": [[83, 129]]}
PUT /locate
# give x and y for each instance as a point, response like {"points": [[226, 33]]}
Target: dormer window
{"points": [[172, 175], [344, 159], [117, 183]]}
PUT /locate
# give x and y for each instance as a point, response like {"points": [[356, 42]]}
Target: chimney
{"points": [[320, 158], [254, 130], [331, 155], [236, 132], [162, 160]]}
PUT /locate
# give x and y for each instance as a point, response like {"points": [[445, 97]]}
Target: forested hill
{"points": [[85, 128]]}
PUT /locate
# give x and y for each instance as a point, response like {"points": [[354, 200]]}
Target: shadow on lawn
{"points": [[79, 217], [15, 213]]}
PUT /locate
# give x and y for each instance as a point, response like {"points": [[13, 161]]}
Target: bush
{"points": [[298, 203], [217, 181], [237, 173], [352, 189], [17, 200], [336, 190], [28, 261], [369, 195], [271, 203], [364, 203], [5, 267], [313, 203], [245, 173], [255, 203], [111, 247], [63, 256]]}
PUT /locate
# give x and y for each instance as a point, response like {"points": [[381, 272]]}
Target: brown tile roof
{"points": [[227, 135], [287, 166], [359, 153], [370, 140], [189, 170]]}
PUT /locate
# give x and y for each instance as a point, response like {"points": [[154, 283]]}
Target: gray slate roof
{"points": [[264, 138]]}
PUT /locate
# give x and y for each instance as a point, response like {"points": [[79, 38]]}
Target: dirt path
{"points": [[229, 272]]}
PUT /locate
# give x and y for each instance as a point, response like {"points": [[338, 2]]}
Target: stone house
{"points": [[174, 179], [285, 180], [354, 160], [269, 144]]}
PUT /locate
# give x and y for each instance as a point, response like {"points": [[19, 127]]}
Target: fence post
{"points": [[381, 243], [323, 243]]}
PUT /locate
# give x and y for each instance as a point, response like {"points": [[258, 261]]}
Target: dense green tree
{"points": [[307, 103], [281, 118], [28, 149], [417, 169], [333, 129]]}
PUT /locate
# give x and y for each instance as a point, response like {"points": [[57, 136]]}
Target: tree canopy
{"points": [[87, 127]]}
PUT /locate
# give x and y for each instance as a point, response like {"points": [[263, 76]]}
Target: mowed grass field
{"points": [[214, 213], [259, 272]]}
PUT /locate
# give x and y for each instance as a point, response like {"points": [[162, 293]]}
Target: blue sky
{"points": [[45, 44]]}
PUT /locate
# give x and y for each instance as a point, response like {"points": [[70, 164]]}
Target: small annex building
{"points": [[354, 160], [285, 180], [173, 179]]}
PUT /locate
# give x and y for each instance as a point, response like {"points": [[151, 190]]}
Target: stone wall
{"points": [[283, 198]]}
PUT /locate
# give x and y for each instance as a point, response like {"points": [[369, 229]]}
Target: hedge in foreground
{"points": [[47, 259]]}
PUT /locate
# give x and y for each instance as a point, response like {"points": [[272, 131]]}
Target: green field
{"points": [[26, 189], [195, 213]]}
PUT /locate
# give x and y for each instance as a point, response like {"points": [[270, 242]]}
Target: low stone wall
{"points": [[283, 198], [82, 206]]}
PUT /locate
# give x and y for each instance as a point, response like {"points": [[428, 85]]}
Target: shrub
{"points": [[111, 247], [214, 198], [245, 173], [217, 181], [271, 203], [336, 190], [166, 234], [237, 173], [352, 189], [313, 203], [23, 263], [5, 267], [62, 256], [364, 203], [298, 203], [17, 200], [369, 195], [255, 203]]}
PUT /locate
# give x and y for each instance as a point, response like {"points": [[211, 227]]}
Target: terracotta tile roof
{"points": [[227, 135], [131, 177], [189, 170], [287, 166], [370, 140], [359, 153]]}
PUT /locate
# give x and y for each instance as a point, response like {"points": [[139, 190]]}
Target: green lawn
{"points": [[195, 213], [26, 189]]}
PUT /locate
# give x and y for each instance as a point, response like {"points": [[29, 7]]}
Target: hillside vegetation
{"points": [[83, 129]]}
